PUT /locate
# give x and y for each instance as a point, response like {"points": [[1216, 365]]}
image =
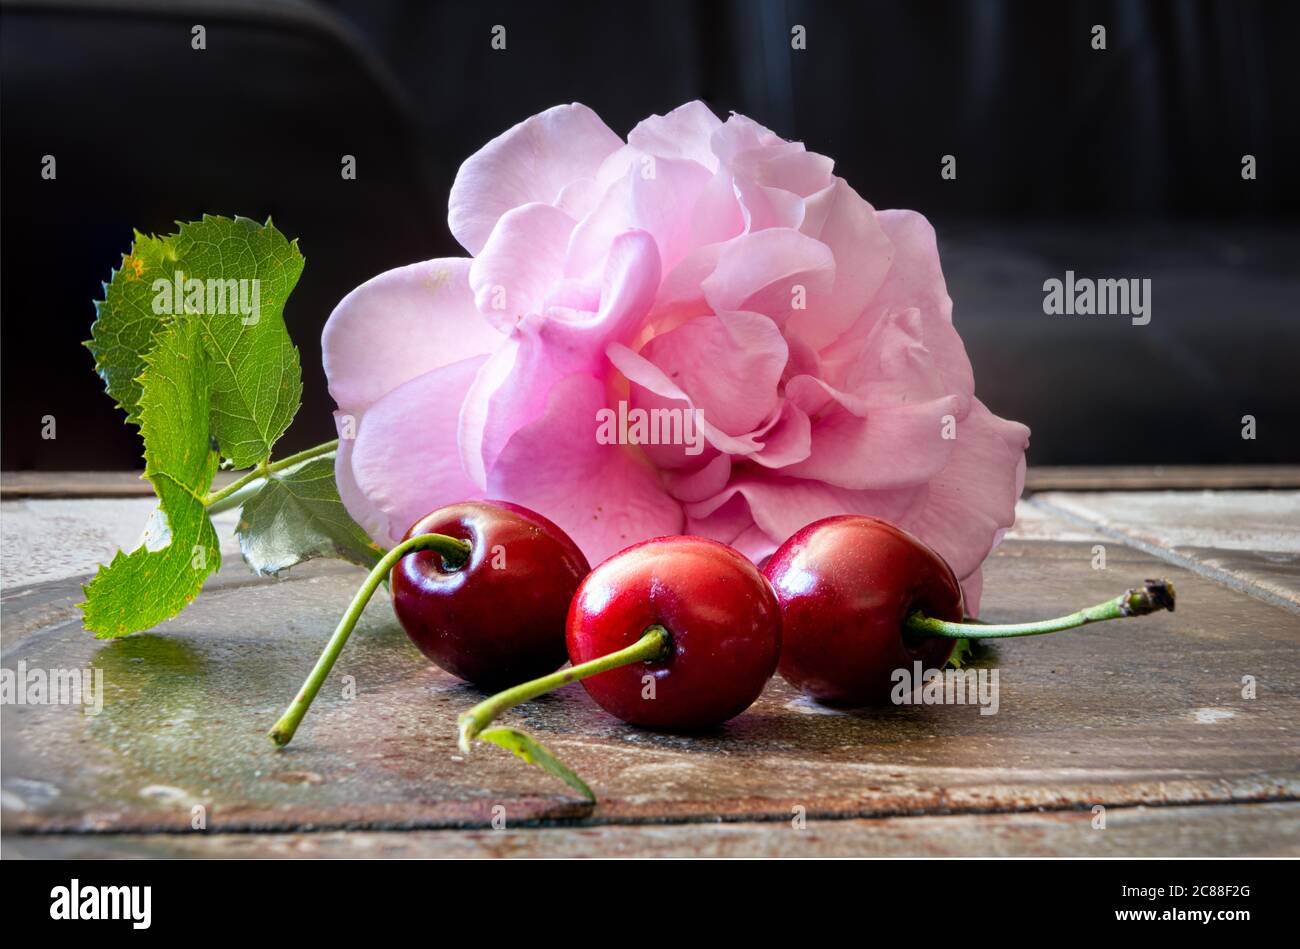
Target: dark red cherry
{"points": [[723, 621], [846, 585], [496, 618]]}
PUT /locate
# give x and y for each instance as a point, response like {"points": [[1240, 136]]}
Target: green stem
{"points": [[1154, 595], [654, 644], [232, 494], [235, 493], [454, 553]]}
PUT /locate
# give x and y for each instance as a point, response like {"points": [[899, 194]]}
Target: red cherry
{"points": [[497, 617], [846, 585], [720, 614]]}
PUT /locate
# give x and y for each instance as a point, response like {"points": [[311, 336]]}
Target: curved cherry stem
{"points": [[1153, 596], [454, 553], [654, 644]]}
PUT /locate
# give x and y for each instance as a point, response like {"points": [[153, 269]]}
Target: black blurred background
{"points": [[1117, 163]]}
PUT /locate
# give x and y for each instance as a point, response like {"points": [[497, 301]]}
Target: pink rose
{"points": [[708, 268]]}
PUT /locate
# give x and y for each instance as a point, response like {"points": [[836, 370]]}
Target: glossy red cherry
{"points": [[496, 617], [721, 616], [846, 585]]}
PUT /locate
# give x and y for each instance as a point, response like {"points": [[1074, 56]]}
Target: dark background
{"points": [[1117, 163]]}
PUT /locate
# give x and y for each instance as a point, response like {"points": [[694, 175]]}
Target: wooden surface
{"points": [[1144, 718], [127, 484]]}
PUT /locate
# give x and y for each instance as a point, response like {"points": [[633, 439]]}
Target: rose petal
{"points": [[732, 524], [685, 132], [404, 460], [674, 456], [890, 447], [599, 494], [974, 497], [700, 483], [372, 521], [655, 195], [788, 441], [914, 282], [972, 588], [533, 161], [728, 365], [642, 372], [512, 387], [780, 506], [741, 134], [841, 220], [631, 277], [763, 272], [906, 357], [520, 263], [399, 325]]}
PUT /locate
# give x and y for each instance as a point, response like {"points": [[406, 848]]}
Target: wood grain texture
{"points": [[1262, 830], [1247, 539], [1121, 714], [111, 484]]}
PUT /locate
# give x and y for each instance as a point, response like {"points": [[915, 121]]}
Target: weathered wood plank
{"points": [[84, 484], [1142, 712], [1250, 539], [43, 539], [1160, 477], [1271, 830], [106, 484]]}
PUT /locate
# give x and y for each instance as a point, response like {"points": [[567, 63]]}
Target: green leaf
{"points": [[535, 753], [139, 590], [125, 321], [297, 516], [255, 374]]}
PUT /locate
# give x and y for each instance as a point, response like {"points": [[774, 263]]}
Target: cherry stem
{"points": [[653, 645], [1153, 596], [454, 553]]}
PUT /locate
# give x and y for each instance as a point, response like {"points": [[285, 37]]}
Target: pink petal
{"points": [[371, 519], [972, 588], [680, 458], [841, 220], [400, 325], [762, 271], [787, 167], [718, 215], [512, 387], [890, 447], [974, 497], [681, 295], [599, 494], [628, 286], [788, 442], [733, 524], [915, 277], [520, 263], [404, 459], [685, 132], [533, 161], [700, 483], [656, 195], [729, 366], [642, 372], [741, 134], [914, 282], [764, 208], [780, 506], [907, 356]]}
